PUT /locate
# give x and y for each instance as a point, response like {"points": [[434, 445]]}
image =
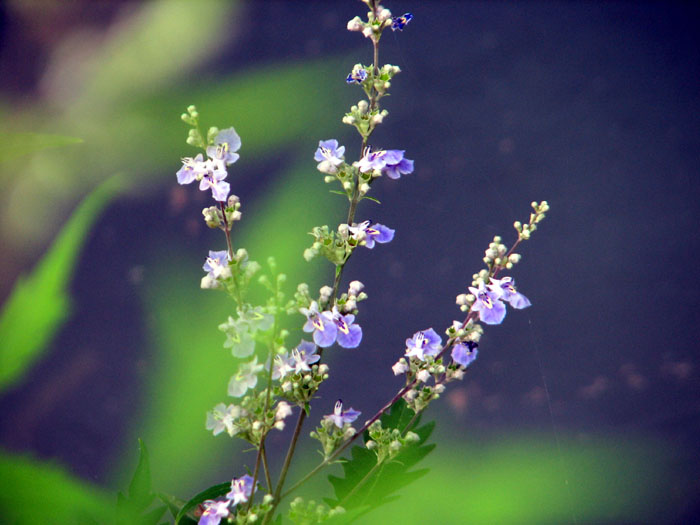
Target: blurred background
{"points": [[583, 408]]}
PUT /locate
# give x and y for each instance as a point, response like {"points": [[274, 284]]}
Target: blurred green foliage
{"points": [[40, 303]]}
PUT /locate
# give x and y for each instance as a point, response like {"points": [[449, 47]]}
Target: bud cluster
{"points": [[387, 443], [300, 388], [331, 436], [301, 511]]}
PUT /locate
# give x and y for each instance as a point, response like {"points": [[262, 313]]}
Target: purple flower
{"points": [[226, 143], [213, 179], [339, 416], [464, 353], [371, 233], [329, 156], [216, 265], [424, 343], [281, 366], [399, 22], [372, 160], [491, 309], [357, 75], [349, 334], [505, 287], [303, 356], [241, 489], [321, 325], [214, 511], [396, 164], [192, 169]]}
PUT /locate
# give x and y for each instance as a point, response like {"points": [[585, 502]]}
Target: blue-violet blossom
{"points": [[424, 343], [216, 265], [505, 287], [303, 356], [371, 233], [226, 143], [372, 160], [349, 334], [396, 164], [241, 489], [464, 353], [358, 75], [339, 416], [321, 324], [329, 156], [213, 512], [399, 22], [192, 169], [491, 309]]}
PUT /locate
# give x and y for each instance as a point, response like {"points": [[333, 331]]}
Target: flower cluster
{"points": [[241, 489], [211, 172], [330, 326], [335, 428]]}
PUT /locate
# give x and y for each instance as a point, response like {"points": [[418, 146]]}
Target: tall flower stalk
{"points": [[287, 376]]}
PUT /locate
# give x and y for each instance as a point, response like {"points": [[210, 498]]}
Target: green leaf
{"points": [[140, 487], [39, 304], [372, 199], [213, 492], [40, 492], [365, 484], [14, 145]]}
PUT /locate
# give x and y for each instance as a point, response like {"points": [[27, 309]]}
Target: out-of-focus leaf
{"points": [[39, 303], [194, 367], [211, 493], [533, 480], [38, 492], [14, 145]]}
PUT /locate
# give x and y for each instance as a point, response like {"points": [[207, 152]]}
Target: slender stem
{"points": [[227, 231], [266, 467], [285, 467]]}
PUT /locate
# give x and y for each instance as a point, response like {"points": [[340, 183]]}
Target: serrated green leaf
{"points": [[39, 303], [14, 145], [365, 484], [212, 492]]}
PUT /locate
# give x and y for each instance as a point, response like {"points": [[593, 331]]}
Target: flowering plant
{"points": [[280, 372]]}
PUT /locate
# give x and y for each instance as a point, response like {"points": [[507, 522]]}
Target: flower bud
{"points": [[363, 106], [355, 24], [348, 119]]}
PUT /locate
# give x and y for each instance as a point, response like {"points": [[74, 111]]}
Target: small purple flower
{"points": [[321, 325], [399, 22], [192, 169], [281, 366], [371, 233], [349, 334], [464, 353], [358, 75], [241, 489], [339, 416], [214, 511], [424, 343], [505, 287], [213, 179], [303, 356], [491, 309], [216, 264], [396, 164], [372, 160], [226, 143], [329, 156]]}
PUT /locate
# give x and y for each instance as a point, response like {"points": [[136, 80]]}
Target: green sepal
{"points": [[212, 492]]}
